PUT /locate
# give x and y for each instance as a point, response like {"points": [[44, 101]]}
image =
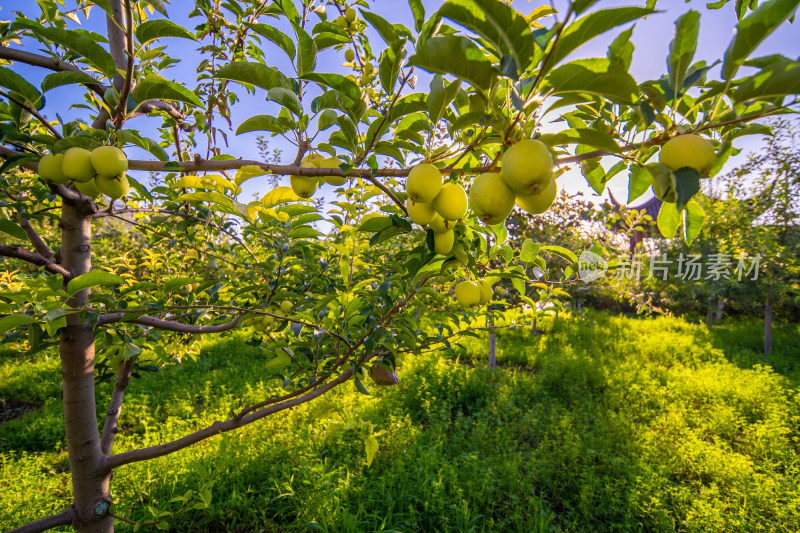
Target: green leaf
{"points": [[693, 217], [13, 321], [390, 63], [529, 251], [639, 181], [360, 386], [687, 184], [561, 252], [589, 27], [160, 28], [589, 137], [773, 81], [440, 97], [158, 5], [594, 76], [682, 48], [255, 74], [155, 87], [327, 39], [387, 233], [327, 119], [66, 77], [288, 8], [595, 174], [753, 29], [306, 52], [133, 137], [92, 279], [16, 83], [371, 447], [456, 55], [12, 228], [276, 36], [343, 85], [668, 219], [418, 10], [264, 123], [286, 98], [304, 232], [582, 5], [77, 42], [375, 224], [381, 25], [497, 22]]}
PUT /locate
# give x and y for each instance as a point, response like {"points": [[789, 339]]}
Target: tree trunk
{"points": [[767, 327], [492, 343], [90, 485], [720, 308], [535, 328]]}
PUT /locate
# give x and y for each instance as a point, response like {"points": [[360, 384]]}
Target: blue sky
{"points": [[651, 38]]}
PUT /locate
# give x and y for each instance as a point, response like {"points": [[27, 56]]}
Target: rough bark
{"points": [[720, 309], [90, 484], [767, 327]]}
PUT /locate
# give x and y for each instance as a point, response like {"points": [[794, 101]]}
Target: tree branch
{"points": [[126, 88], [216, 428], [64, 518], [168, 325], [18, 252], [110, 428], [148, 106], [33, 112], [36, 240], [49, 63]]}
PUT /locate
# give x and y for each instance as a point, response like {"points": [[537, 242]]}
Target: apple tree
{"points": [[476, 97]]}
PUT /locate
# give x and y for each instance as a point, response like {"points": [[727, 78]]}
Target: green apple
{"points": [[490, 198], [443, 242], [286, 306], [77, 165], [304, 186], [440, 225], [420, 213], [109, 161], [349, 55], [536, 204], [527, 166], [468, 293], [451, 203], [350, 15], [341, 21], [688, 150], [89, 188], [332, 162], [486, 291], [51, 168], [424, 183], [113, 186]]}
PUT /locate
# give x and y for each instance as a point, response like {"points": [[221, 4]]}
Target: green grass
{"points": [[602, 423]]}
